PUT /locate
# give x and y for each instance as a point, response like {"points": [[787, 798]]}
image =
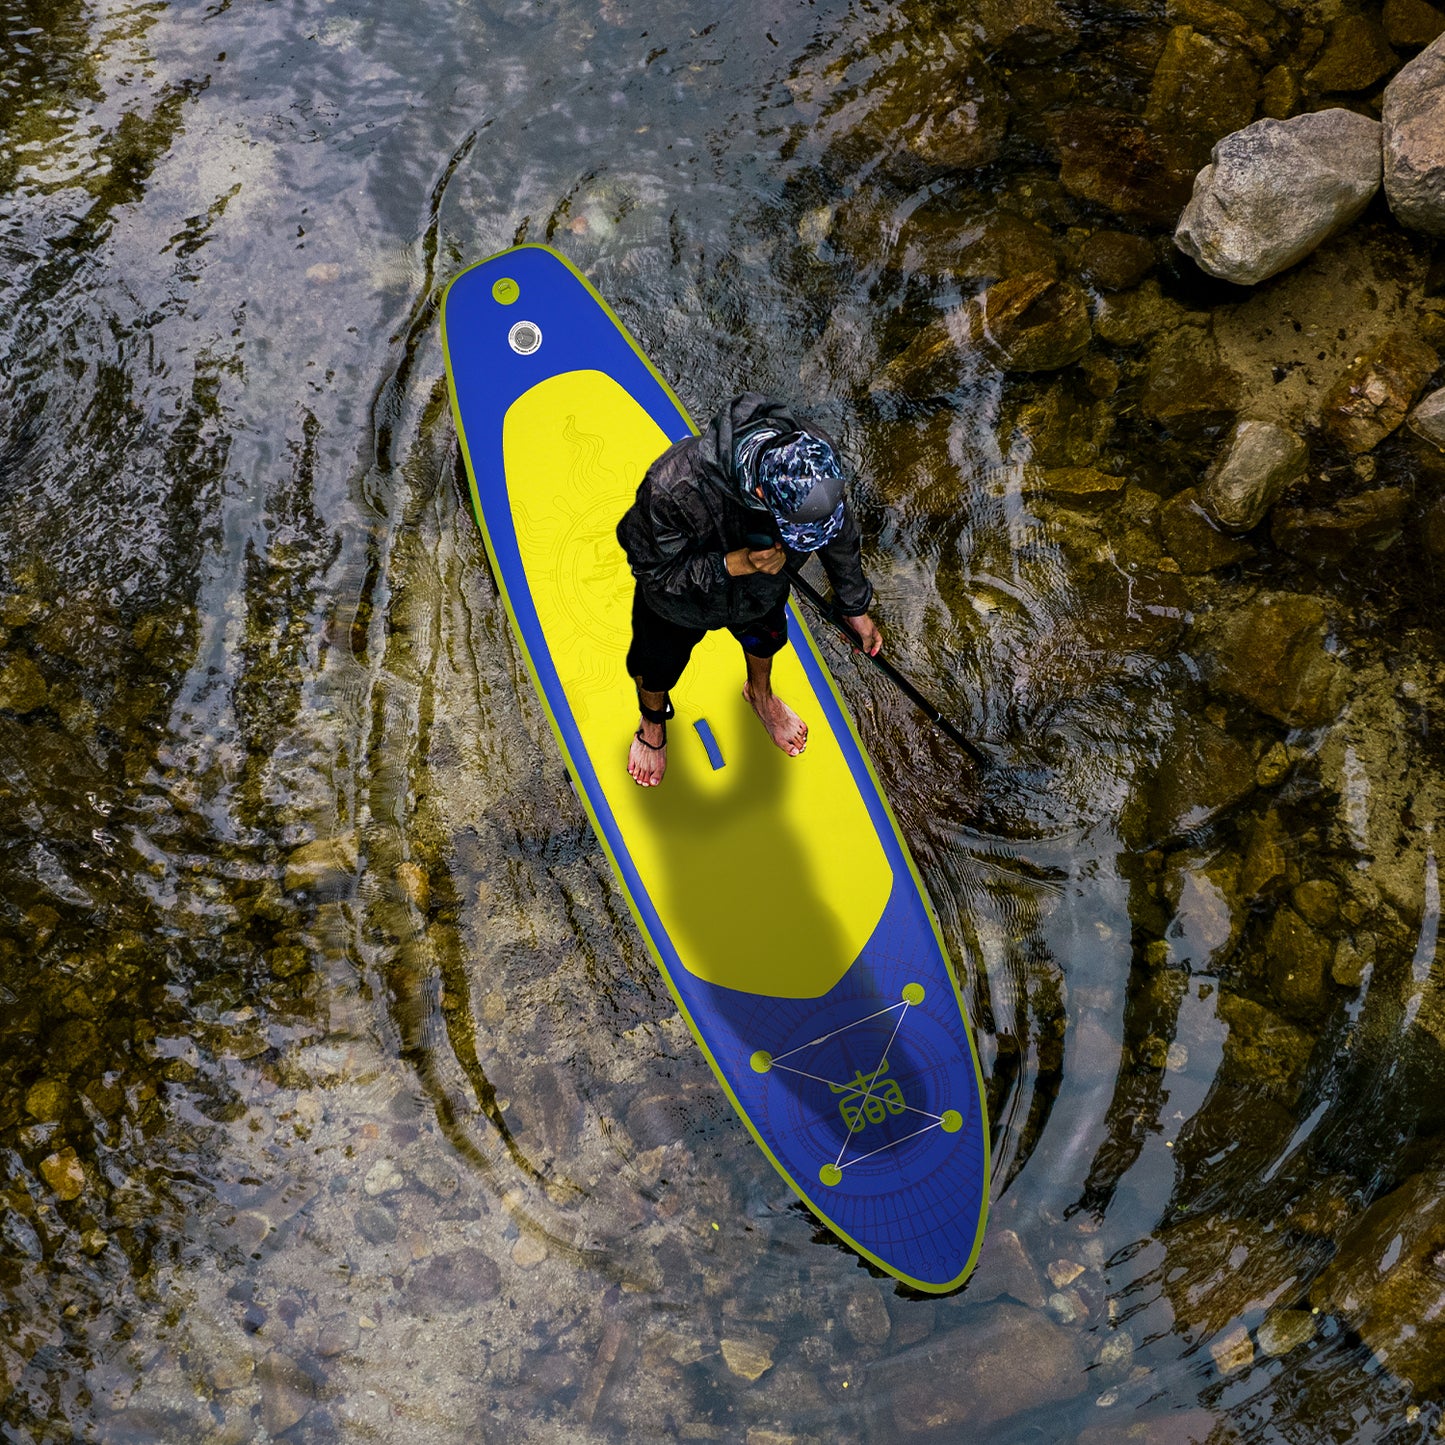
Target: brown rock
{"points": [[455, 1281], [1110, 158], [941, 244], [1262, 1048], [1388, 1280], [326, 862], [1032, 322], [1178, 1427], [1375, 394], [1193, 540], [287, 1392], [865, 1315], [1077, 485], [1201, 91], [1298, 963], [1412, 22], [1005, 1270], [1115, 260], [1334, 534], [929, 365], [1356, 55], [1272, 654], [1026, 30], [1279, 94], [1221, 1271], [1202, 772], [1188, 388], [23, 687], [1006, 1361], [63, 1172]]}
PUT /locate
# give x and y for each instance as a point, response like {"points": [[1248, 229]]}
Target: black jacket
{"points": [[691, 510]]}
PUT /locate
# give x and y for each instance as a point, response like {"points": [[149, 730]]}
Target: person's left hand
{"points": [[869, 637]]}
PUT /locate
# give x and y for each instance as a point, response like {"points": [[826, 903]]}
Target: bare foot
{"points": [[648, 764], [784, 726]]}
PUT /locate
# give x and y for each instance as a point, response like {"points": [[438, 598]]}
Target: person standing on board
{"points": [[716, 519]]}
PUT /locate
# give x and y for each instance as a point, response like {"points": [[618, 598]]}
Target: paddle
{"points": [[929, 709]]}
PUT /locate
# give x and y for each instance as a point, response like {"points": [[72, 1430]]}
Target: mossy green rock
{"points": [[23, 687], [1356, 55], [1263, 1050]]}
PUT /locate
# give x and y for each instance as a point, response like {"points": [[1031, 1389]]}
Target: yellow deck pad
{"points": [[767, 872]]}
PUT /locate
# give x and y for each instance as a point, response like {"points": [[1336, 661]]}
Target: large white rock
{"points": [[1274, 190], [1414, 118]]}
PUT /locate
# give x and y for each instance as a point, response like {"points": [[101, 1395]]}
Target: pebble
{"points": [[1284, 1330], [528, 1252], [383, 1178], [63, 1173], [1232, 1351], [1063, 1272], [749, 1359]]}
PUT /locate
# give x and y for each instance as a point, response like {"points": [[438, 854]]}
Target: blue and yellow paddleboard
{"points": [[776, 893]]}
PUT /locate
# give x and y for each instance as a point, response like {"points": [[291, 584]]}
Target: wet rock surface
{"points": [[1414, 149], [1275, 190]]}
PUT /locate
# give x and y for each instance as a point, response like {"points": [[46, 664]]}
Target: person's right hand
{"points": [[747, 560]]}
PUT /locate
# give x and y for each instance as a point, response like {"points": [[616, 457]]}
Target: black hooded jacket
{"points": [[692, 509]]}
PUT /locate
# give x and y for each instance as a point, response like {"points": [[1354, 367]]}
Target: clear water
{"points": [[383, 1125]]}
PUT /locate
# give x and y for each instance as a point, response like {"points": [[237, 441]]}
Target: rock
{"points": [[1188, 388], [1004, 1269], [337, 1336], [287, 1392], [750, 1358], [1279, 93], [1411, 22], [1110, 158], [1434, 528], [455, 1281], [1353, 957], [1129, 317], [1334, 534], [1260, 461], [63, 1172], [1317, 901], [1202, 772], [383, 1178], [930, 365], [1266, 859], [1428, 419], [1388, 1280], [414, 884], [1297, 960], [376, 1224], [1356, 55], [1201, 90], [1414, 121], [865, 1315], [528, 1252], [23, 688], [1063, 1272], [1031, 322], [1026, 30], [1285, 1330], [1262, 1049], [1232, 1351], [942, 245], [326, 862], [1077, 485], [1193, 540], [1176, 1427], [47, 1101], [1376, 392], [1271, 653], [1008, 1360], [1275, 190], [1115, 260]]}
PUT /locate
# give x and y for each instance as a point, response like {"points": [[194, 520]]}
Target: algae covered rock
{"points": [[1202, 89], [23, 688], [1260, 461], [1115, 260], [1414, 119], [1188, 388], [1388, 1280], [1356, 55], [1377, 391], [1113, 159], [1332, 534], [1275, 190], [1032, 322], [1411, 22], [1192, 538], [1272, 653]]}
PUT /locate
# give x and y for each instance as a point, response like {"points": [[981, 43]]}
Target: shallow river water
{"points": [[339, 1097]]}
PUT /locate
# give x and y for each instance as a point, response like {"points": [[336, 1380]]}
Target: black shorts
{"points": [[660, 649]]}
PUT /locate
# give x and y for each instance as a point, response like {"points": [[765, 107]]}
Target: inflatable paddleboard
{"points": [[775, 893]]}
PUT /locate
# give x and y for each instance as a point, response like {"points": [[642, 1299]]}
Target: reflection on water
{"points": [[339, 1099]]}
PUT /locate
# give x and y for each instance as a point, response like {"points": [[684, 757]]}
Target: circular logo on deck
{"points": [[525, 337], [506, 290]]}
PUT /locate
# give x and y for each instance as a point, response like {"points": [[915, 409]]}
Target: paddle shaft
{"points": [[933, 713]]}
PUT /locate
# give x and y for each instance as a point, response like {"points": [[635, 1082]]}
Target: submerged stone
{"points": [[63, 1172], [1411, 22], [1202, 772], [1388, 1280], [749, 1357], [1271, 652], [1260, 461], [1334, 534], [1032, 322], [1297, 962], [1115, 260], [1007, 1360], [23, 688], [1374, 395], [1275, 190], [1201, 90], [1263, 1049], [1111, 158], [1004, 1269], [944, 245], [326, 862], [1188, 388], [1428, 419], [1193, 540]]}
